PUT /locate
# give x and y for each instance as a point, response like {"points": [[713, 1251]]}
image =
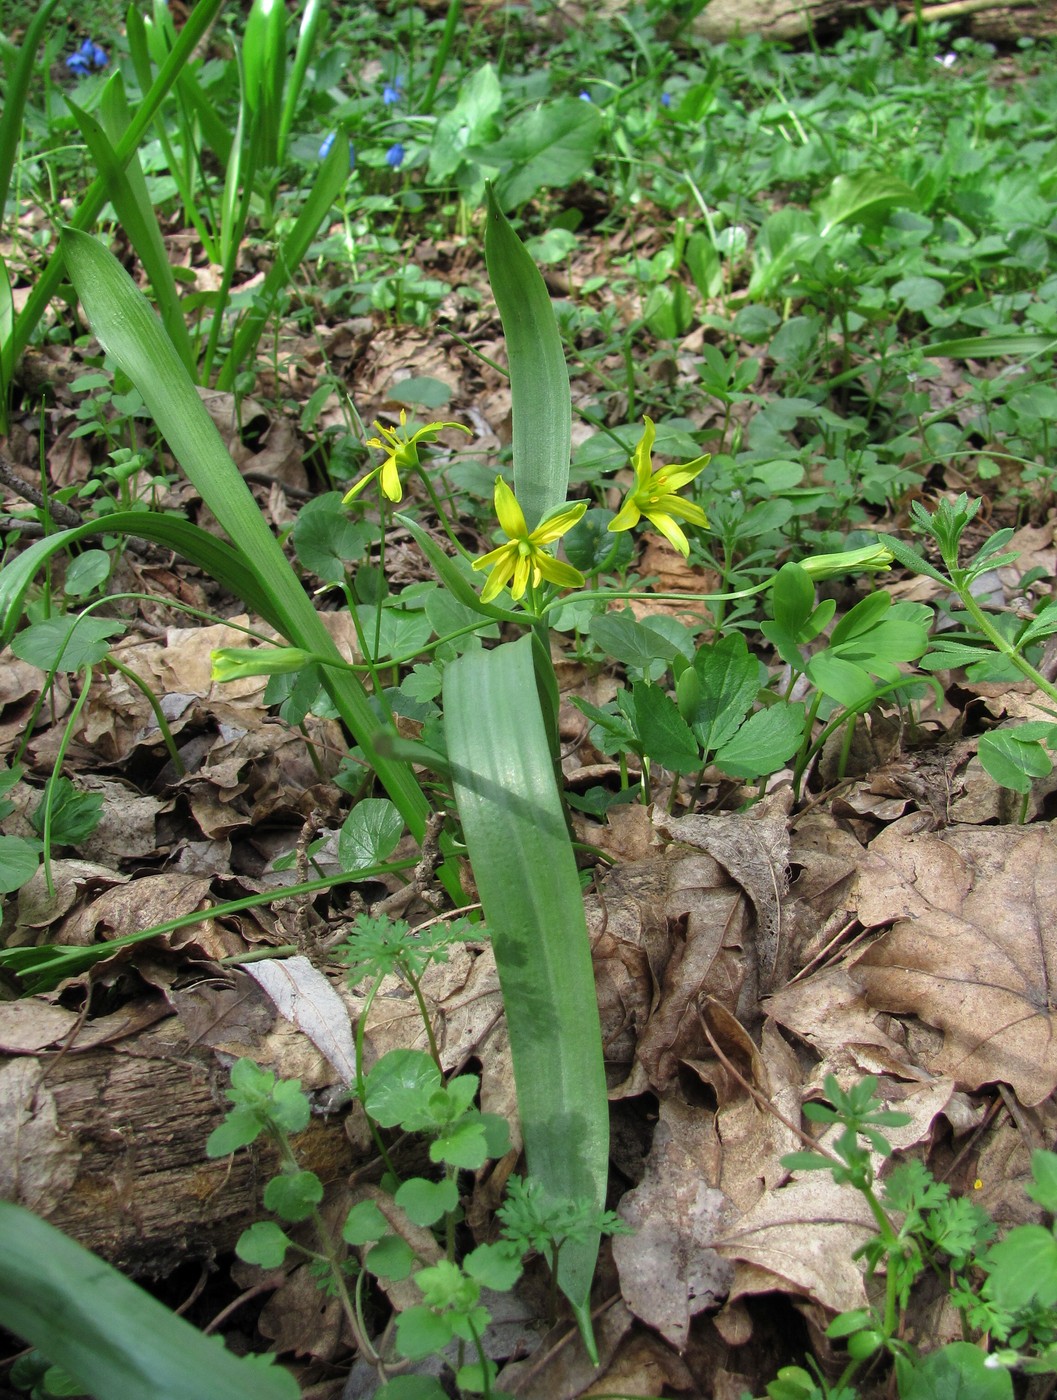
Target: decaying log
{"points": [[108, 1144], [1003, 21]]}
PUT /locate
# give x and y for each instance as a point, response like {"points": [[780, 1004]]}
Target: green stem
{"points": [[416, 987], [159, 714], [988, 630]]}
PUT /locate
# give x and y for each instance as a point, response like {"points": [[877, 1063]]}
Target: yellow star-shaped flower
{"points": [[523, 557], [402, 453], [653, 494]]}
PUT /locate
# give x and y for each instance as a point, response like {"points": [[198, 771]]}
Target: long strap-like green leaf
{"points": [[106, 1331], [539, 379], [514, 825], [46, 285], [129, 330]]}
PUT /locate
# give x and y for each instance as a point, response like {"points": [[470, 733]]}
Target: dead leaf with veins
{"points": [[973, 949]]}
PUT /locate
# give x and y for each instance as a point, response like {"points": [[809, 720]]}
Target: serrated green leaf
{"points": [[1022, 1268], [293, 1196], [241, 1127], [464, 1145], [664, 735], [398, 1089], [729, 678]]}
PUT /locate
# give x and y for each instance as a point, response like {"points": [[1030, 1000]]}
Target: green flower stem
{"points": [[64, 744], [159, 715], [988, 629], [291, 1166]]}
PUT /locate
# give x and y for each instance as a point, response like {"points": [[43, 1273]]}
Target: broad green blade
{"points": [[110, 1335], [7, 358], [126, 326], [541, 405], [215, 558], [522, 858], [983, 347]]}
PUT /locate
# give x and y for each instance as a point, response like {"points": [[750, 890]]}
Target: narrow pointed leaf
{"points": [[539, 380], [106, 1331], [125, 324], [522, 858]]}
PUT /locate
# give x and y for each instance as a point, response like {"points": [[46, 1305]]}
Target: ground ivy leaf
{"points": [[263, 1244], [293, 1196], [427, 1201]]}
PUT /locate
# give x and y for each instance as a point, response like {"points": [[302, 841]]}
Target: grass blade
{"points": [[19, 82], [106, 1331], [514, 825], [86, 213], [329, 183], [135, 210], [539, 379]]}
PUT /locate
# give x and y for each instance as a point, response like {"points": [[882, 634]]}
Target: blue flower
{"points": [[666, 99], [87, 58], [394, 156], [328, 145], [392, 92], [585, 96]]}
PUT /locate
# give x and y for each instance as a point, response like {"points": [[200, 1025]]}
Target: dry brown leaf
{"points": [[972, 948], [307, 999], [643, 1366], [669, 1270]]}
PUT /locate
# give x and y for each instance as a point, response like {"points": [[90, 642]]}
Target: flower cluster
{"points": [[87, 59]]}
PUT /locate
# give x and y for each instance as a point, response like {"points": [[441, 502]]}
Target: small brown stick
{"points": [[761, 1101]]}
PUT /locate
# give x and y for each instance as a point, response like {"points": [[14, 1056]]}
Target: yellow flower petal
{"points": [[557, 523], [628, 515], [391, 487], [664, 523], [509, 514], [557, 571]]}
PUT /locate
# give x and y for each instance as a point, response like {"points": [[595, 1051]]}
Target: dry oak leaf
{"points": [[973, 950]]}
